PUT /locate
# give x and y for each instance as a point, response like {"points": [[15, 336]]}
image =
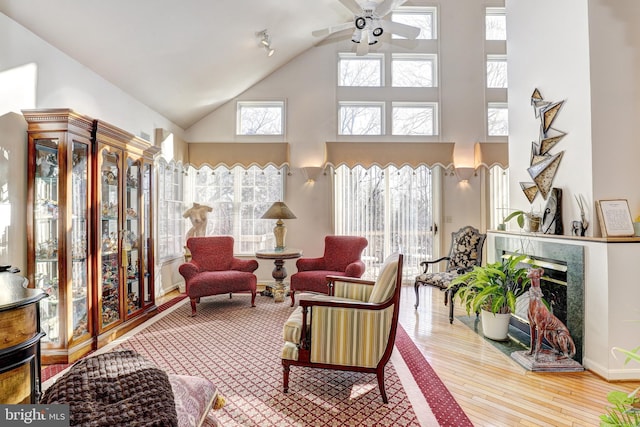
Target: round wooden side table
{"points": [[279, 272]]}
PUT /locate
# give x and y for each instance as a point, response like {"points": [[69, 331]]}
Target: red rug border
{"points": [[442, 403]]}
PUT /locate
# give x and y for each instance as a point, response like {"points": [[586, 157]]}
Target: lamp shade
{"points": [[278, 210]]}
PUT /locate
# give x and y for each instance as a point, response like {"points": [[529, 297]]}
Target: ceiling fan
{"points": [[368, 23]]}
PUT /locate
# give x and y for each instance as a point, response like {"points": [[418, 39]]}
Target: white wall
{"points": [[548, 49]]}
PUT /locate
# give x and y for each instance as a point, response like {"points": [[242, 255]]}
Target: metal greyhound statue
{"points": [[544, 324]]}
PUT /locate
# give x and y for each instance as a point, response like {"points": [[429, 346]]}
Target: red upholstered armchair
{"points": [[341, 258], [213, 270]]}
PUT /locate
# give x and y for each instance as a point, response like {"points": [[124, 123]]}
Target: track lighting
{"points": [[265, 42]]}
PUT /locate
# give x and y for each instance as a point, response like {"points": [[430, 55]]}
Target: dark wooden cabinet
{"points": [[20, 336], [89, 224]]}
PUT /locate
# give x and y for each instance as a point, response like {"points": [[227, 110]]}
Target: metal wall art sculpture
{"points": [[543, 164], [552, 216]]}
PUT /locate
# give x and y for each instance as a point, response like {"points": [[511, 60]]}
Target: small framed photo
{"points": [[615, 218]]}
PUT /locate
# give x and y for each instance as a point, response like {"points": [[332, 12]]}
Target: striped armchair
{"points": [[314, 337]]}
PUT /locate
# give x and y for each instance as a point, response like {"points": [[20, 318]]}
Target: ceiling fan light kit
{"points": [[368, 23]]}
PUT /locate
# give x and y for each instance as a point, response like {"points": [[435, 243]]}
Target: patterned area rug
{"points": [[238, 348]]}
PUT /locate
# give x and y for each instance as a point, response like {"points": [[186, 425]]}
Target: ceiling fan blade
{"points": [[333, 29], [386, 6], [353, 6], [403, 30]]}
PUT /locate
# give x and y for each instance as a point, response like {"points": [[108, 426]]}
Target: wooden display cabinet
{"points": [[124, 165], [89, 223]]}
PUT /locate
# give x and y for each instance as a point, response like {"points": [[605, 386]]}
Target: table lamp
{"points": [[279, 211]]}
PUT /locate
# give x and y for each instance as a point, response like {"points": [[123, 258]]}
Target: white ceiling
{"points": [[182, 58]]}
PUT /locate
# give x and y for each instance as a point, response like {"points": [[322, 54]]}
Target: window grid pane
{"points": [[413, 120], [171, 232], [260, 118], [360, 72], [497, 120], [496, 72], [360, 119], [419, 17], [495, 23], [412, 72], [498, 195]]}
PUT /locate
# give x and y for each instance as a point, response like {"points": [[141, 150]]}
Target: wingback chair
{"points": [[341, 258], [213, 270], [465, 253], [351, 329]]}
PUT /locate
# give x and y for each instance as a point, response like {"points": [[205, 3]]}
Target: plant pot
{"points": [[532, 224], [495, 326]]}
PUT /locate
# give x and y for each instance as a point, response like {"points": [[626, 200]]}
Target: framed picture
{"points": [[615, 218]]}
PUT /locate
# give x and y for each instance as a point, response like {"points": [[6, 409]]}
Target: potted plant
{"points": [[625, 407], [492, 291], [529, 221]]}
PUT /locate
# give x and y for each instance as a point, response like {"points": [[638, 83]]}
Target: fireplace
{"points": [[562, 283]]}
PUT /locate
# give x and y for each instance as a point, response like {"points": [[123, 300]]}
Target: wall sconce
{"points": [[265, 42], [464, 173], [311, 173]]}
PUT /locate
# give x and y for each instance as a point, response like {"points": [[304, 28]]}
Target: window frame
{"points": [[416, 57], [374, 104], [501, 58], [418, 10], [280, 104], [403, 104], [497, 106], [495, 11], [373, 57], [174, 224]]}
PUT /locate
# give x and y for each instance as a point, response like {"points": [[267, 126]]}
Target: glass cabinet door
{"points": [[146, 272], [131, 237], [79, 242], [109, 266], [45, 234]]}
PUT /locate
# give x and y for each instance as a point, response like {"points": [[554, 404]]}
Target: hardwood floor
{"points": [[491, 388]]}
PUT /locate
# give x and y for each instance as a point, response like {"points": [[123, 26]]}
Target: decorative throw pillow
{"points": [[194, 397]]}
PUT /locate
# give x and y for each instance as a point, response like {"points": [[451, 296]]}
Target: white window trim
{"points": [[421, 10], [436, 115], [381, 105], [371, 56], [273, 103], [417, 57]]}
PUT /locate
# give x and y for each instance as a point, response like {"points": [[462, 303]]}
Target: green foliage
{"points": [[493, 287], [519, 216], [624, 410]]}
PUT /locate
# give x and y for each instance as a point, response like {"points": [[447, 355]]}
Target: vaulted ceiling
{"points": [[182, 58]]}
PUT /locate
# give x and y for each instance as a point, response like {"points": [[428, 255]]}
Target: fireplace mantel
{"points": [[611, 295]]}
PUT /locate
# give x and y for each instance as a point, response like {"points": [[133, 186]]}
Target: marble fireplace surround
{"points": [[611, 294], [567, 254]]}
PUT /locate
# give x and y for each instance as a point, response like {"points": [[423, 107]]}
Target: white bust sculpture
{"points": [[198, 216]]}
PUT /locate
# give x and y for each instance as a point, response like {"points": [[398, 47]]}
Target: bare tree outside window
{"points": [[239, 196], [391, 207], [360, 119], [421, 17], [495, 23], [362, 72], [412, 71], [497, 120], [413, 120], [260, 118], [497, 71]]}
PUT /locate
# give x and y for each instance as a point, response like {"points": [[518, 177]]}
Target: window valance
{"points": [[489, 154], [244, 154], [385, 154]]}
